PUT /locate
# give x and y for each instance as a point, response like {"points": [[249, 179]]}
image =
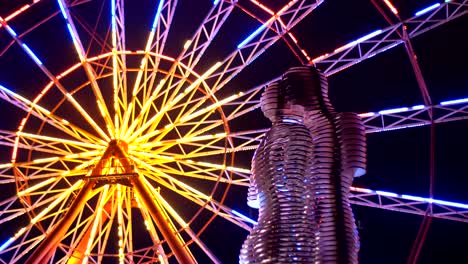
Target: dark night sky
{"points": [[398, 160]]}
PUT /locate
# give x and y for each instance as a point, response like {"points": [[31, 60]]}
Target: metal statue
{"points": [[301, 175]]}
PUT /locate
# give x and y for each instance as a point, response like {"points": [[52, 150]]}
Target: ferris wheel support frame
{"points": [[379, 41], [42, 253]]}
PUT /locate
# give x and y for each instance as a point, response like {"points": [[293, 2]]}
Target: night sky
{"points": [[398, 161]]}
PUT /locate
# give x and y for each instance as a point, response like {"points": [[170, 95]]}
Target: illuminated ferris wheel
{"points": [[129, 154]]}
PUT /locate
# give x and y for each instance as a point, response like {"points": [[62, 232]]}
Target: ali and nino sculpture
{"points": [[302, 173]]}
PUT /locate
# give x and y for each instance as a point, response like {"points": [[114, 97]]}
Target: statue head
{"points": [[297, 92]]}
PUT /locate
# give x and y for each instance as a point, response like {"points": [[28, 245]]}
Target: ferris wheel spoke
{"points": [[206, 171], [64, 9], [9, 139], [206, 111], [89, 234], [163, 222], [198, 44], [260, 40], [50, 167], [12, 214], [184, 225], [156, 42], [67, 144], [203, 114], [234, 106], [12, 209], [182, 188], [200, 41], [91, 237], [198, 198], [20, 10], [189, 169], [46, 115], [157, 243], [246, 140], [119, 64], [170, 103], [55, 80], [195, 48], [57, 203]]}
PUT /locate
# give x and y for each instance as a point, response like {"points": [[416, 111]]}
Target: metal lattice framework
{"points": [[124, 138]]}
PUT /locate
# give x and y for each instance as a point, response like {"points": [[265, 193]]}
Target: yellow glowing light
{"points": [[5, 165], [187, 44], [59, 199], [391, 6], [97, 218], [19, 11], [44, 160], [54, 139], [37, 186]]}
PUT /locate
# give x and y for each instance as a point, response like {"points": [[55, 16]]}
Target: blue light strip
{"points": [[12, 32], [8, 91], [366, 37], [33, 56], [251, 36], [158, 13], [62, 9], [394, 110], [6, 244], [359, 40], [244, 217], [114, 26], [427, 9], [215, 2], [412, 198], [415, 107], [457, 101], [384, 193], [23, 45], [72, 34]]}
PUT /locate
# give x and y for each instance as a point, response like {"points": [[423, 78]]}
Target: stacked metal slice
{"points": [[302, 173], [282, 185]]}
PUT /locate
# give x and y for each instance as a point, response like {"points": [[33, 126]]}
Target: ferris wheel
{"points": [[130, 127]]}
